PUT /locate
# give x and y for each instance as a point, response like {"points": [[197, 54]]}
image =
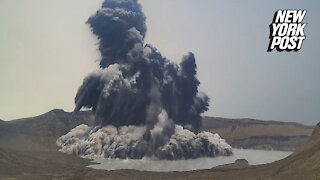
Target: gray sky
{"points": [[46, 50]]}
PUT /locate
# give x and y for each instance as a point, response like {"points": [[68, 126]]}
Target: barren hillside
{"points": [[257, 134], [27, 151]]}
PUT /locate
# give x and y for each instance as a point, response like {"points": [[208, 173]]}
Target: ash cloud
{"points": [[122, 92], [135, 85], [128, 142]]}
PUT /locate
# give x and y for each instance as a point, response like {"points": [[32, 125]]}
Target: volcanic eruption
{"points": [[144, 104]]}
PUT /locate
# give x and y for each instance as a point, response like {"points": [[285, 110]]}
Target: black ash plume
{"points": [[135, 83]]}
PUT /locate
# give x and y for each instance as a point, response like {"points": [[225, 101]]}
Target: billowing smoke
{"points": [[128, 142], [138, 91]]}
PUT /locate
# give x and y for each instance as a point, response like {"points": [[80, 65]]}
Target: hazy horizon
{"points": [[46, 50]]}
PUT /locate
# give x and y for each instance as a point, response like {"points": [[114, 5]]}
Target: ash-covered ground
{"points": [[144, 104]]}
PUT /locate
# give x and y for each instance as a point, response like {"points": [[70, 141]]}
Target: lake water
{"points": [[254, 157]]}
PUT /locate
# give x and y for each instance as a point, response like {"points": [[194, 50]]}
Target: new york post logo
{"points": [[287, 30]]}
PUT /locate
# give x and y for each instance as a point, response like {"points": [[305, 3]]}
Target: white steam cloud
{"points": [[128, 142]]}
